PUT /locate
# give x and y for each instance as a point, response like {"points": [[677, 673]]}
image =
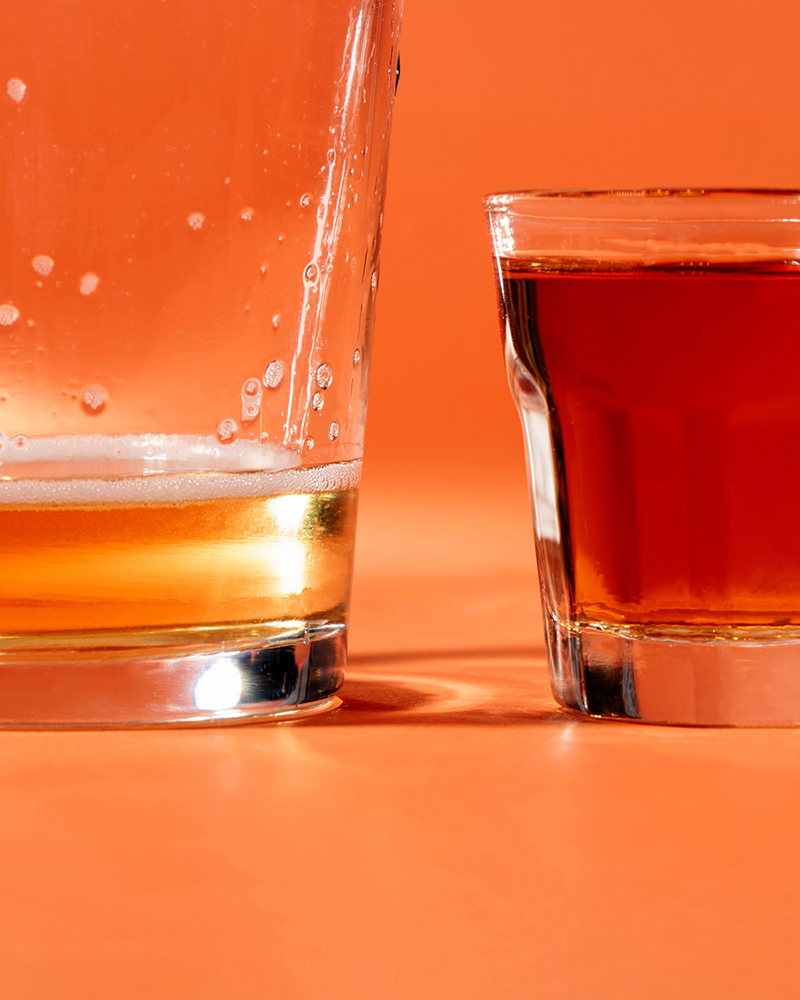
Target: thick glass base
{"points": [[730, 677], [204, 676]]}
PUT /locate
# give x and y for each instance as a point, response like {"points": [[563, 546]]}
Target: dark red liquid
{"points": [[676, 396]]}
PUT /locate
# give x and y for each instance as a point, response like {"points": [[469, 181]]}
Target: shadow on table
{"points": [[488, 687]]}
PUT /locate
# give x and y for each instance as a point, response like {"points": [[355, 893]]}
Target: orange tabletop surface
{"points": [[449, 832]]}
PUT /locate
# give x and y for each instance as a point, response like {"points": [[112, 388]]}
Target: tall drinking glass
{"points": [[652, 342], [190, 207]]}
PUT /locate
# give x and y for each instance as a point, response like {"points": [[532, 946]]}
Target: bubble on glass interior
{"points": [[311, 273], [16, 88], [196, 221], [20, 442], [324, 376], [42, 264], [333, 430], [273, 374], [247, 213], [8, 314], [305, 200], [310, 443], [227, 431], [88, 283], [93, 398], [356, 357], [317, 401], [251, 399]]}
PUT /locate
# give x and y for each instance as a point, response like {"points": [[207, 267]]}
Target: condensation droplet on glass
{"points": [[263, 267], [246, 214], [227, 430], [310, 443], [276, 320], [196, 220], [20, 442], [317, 401], [31, 323], [281, 238], [331, 155], [273, 374], [333, 430], [42, 264], [356, 357], [15, 89], [8, 314], [227, 180], [251, 398], [93, 398], [324, 376], [88, 283], [305, 200], [311, 273]]}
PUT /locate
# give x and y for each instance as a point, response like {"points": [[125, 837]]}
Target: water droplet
{"points": [[356, 357], [31, 323], [246, 214], [331, 155], [273, 375], [251, 398], [227, 431], [93, 398], [317, 401], [196, 221], [333, 430], [20, 442], [263, 267], [263, 436], [88, 284], [42, 264], [15, 89], [305, 200], [276, 320], [310, 443], [8, 314], [324, 375], [227, 180], [311, 273]]}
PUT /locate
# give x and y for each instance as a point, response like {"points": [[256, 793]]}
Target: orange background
{"points": [[449, 833], [513, 94]]}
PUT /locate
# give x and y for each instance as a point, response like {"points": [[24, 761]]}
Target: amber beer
{"points": [[245, 553], [674, 397]]}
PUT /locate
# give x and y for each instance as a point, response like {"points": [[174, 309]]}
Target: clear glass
{"points": [[652, 341], [190, 202]]}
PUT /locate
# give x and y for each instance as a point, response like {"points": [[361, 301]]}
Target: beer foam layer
{"points": [[142, 470], [159, 452]]}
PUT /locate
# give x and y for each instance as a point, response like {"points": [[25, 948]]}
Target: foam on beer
{"points": [[156, 469]]}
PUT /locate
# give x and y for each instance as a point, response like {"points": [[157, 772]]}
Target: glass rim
{"points": [[503, 199]]}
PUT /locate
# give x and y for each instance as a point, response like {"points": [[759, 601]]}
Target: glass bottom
{"points": [[209, 676], [697, 677]]}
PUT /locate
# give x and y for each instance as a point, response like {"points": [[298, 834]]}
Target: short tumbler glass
{"points": [[190, 204], [652, 342]]}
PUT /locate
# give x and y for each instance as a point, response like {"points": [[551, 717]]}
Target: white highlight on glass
{"points": [[219, 686]]}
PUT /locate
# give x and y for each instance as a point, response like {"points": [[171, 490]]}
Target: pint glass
{"points": [[653, 347], [190, 208]]}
